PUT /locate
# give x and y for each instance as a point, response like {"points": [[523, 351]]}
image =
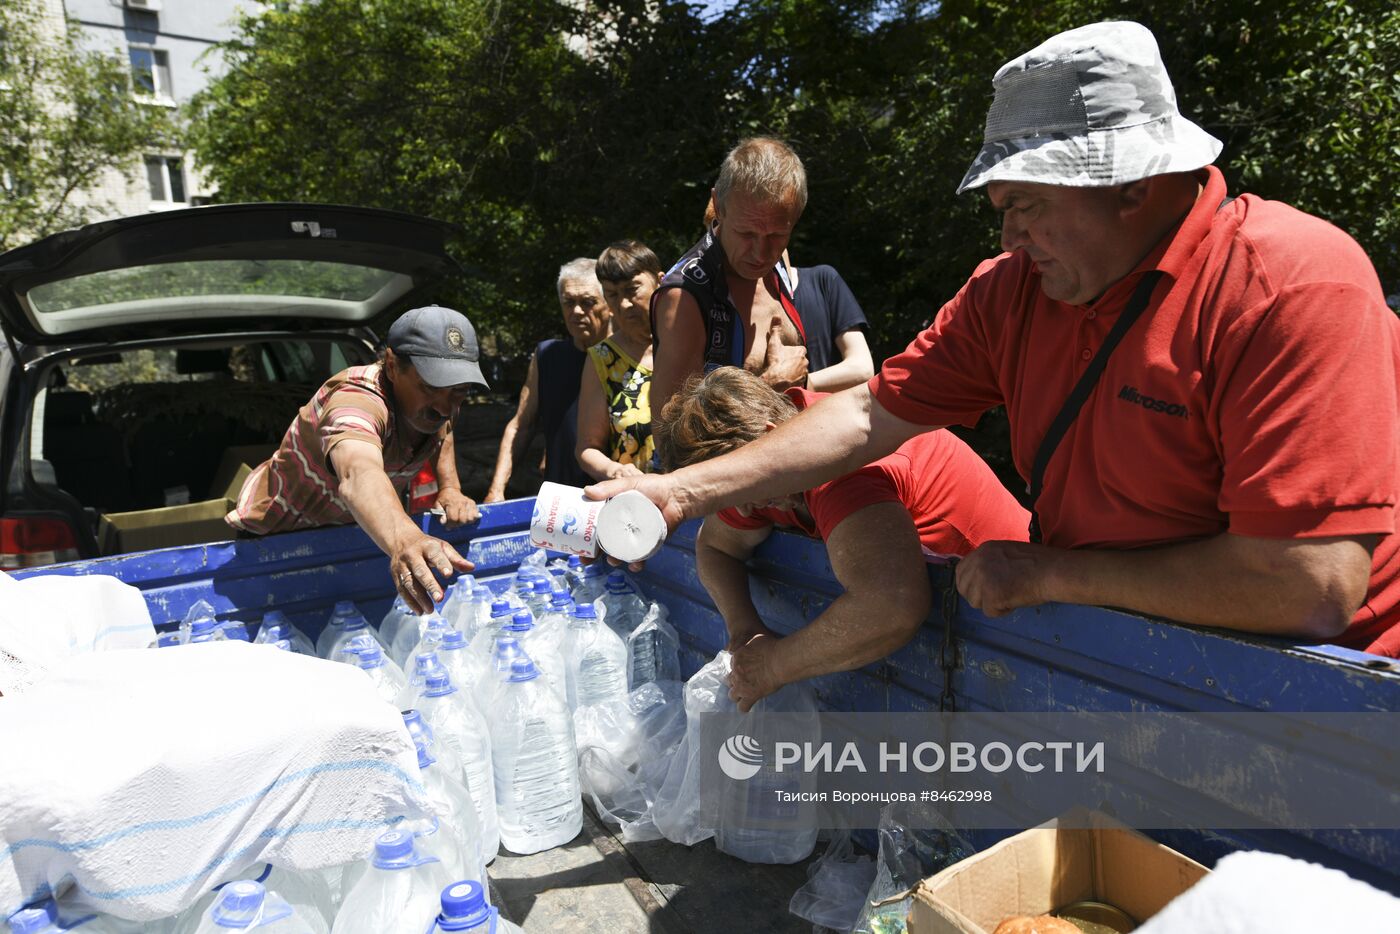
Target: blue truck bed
{"points": [[1048, 659]]}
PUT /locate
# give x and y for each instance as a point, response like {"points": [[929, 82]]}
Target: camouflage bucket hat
{"points": [[1089, 107]]}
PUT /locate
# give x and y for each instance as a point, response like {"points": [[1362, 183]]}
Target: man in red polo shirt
{"points": [[934, 492], [1235, 464]]}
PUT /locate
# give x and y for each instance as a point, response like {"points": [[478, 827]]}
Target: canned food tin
{"points": [[1097, 917]]}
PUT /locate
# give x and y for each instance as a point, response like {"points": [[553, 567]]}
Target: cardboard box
{"points": [[191, 524], [1035, 872], [238, 462]]}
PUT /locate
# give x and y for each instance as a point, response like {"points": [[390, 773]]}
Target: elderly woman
{"points": [[614, 401], [933, 494]]}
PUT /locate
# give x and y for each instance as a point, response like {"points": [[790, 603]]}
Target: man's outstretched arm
{"points": [[1308, 588], [839, 434]]}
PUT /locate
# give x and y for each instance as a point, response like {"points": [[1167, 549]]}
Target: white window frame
{"points": [[161, 95], [166, 159]]}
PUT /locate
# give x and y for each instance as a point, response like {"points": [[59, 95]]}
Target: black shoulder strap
{"points": [[1137, 304]]}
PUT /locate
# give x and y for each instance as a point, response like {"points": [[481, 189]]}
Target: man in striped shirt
{"points": [[352, 452]]}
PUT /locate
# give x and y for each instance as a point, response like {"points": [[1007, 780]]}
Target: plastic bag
{"points": [[680, 812], [754, 823], [836, 886], [623, 777], [915, 842], [653, 649]]}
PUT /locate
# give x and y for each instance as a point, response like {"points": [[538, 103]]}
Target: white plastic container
{"points": [[535, 764], [455, 720], [397, 891]]}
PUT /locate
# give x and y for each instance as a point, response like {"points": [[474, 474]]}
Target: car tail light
{"points": [[422, 495], [29, 541]]}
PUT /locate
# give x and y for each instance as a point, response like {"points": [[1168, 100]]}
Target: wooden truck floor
{"points": [[598, 883]]}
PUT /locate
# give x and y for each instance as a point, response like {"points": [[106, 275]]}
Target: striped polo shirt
{"points": [[297, 489]]}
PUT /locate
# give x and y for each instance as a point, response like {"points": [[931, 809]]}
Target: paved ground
{"points": [[596, 883]]}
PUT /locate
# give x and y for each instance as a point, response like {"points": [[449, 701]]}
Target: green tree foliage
{"points": [[549, 128], [67, 117]]}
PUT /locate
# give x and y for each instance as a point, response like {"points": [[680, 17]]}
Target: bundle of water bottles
{"points": [[491, 685]]}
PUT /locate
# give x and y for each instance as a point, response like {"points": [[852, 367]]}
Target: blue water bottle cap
{"points": [[425, 663], [439, 685], [274, 631], [501, 608], [239, 904], [274, 618], [575, 561], [522, 669], [283, 644], [205, 624], [561, 600], [585, 611], [29, 921], [452, 641], [463, 906], [506, 644], [394, 850], [436, 621], [370, 655], [557, 571], [520, 622], [235, 631], [167, 639], [354, 620], [345, 608], [542, 586]]}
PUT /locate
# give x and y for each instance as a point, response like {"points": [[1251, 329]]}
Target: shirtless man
{"points": [[726, 302]]}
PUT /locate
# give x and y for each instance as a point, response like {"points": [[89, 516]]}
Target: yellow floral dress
{"points": [[627, 389]]}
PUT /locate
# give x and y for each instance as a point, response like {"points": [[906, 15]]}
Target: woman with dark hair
{"points": [[934, 494], [614, 402]]}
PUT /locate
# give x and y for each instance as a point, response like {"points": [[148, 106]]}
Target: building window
{"points": [[166, 175], [150, 72]]}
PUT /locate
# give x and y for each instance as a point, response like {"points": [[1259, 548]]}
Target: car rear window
{"points": [[212, 279]]}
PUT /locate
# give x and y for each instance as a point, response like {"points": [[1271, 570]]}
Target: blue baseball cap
{"points": [[441, 344]]}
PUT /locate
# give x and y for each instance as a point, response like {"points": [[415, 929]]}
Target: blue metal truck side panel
{"points": [[1052, 658]]}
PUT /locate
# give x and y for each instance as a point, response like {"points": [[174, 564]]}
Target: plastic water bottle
{"points": [[453, 832], [249, 906], [535, 764], [397, 615], [595, 660], [397, 891], [424, 664], [544, 649], [275, 625], [234, 631], [352, 625], [480, 613], [200, 609], [484, 642], [205, 629], [33, 921], [540, 593], [624, 607], [388, 680], [653, 650], [464, 908], [557, 616], [455, 720], [339, 613], [487, 686], [453, 654], [574, 573], [591, 583], [430, 635], [457, 603]]}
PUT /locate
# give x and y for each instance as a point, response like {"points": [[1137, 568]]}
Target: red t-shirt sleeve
{"points": [[832, 502], [1307, 413], [947, 375], [736, 520]]}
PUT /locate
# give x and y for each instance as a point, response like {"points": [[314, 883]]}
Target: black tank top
{"points": [[700, 272], [559, 365]]}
